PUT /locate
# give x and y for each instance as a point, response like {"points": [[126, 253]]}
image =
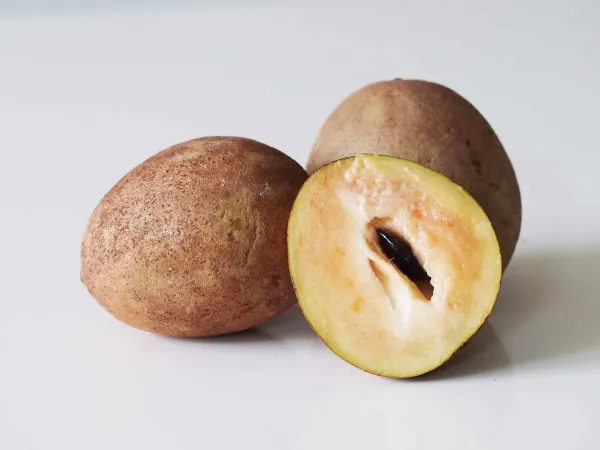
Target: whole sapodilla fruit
{"points": [[434, 126], [192, 242]]}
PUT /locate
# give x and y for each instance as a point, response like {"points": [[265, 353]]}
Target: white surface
{"points": [[86, 92]]}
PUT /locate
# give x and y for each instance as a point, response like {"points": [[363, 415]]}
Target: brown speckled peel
{"points": [[434, 126], [192, 242]]}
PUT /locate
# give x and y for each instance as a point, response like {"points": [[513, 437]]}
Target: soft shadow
{"points": [[549, 306], [251, 336], [290, 325], [546, 312], [483, 354]]}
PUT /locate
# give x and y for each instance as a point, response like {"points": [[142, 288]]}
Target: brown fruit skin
{"points": [[192, 242], [434, 126]]}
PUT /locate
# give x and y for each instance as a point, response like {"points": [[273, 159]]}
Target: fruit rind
{"points": [[433, 125], [192, 242]]}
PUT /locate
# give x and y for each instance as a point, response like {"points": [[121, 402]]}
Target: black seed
{"points": [[400, 253]]}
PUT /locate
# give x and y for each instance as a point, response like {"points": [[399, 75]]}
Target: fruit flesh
{"points": [[362, 306]]}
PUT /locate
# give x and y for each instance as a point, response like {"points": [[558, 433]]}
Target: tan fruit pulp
{"points": [[360, 303]]}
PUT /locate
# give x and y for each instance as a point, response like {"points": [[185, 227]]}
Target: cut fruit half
{"points": [[395, 266]]}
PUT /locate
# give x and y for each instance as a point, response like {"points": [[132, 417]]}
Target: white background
{"points": [[87, 91]]}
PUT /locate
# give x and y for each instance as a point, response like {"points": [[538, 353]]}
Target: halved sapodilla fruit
{"points": [[395, 266]]}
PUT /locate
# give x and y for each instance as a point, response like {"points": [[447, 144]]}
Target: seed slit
{"points": [[400, 253]]}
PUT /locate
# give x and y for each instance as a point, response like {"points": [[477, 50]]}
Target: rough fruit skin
{"points": [[434, 126], [192, 242]]}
